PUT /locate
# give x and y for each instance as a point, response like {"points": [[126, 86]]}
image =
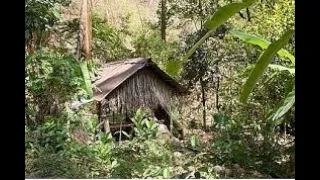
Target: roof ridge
{"points": [[127, 61]]}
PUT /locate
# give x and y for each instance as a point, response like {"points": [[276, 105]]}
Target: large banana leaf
{"points": [[287, 104], [173, 67], [263, 43], [217, 19], [86, 77], [274, 67], [262, 64]]}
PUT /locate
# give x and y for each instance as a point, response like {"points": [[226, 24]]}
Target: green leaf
{"points": [[173, 67], [252, 39], [166, 173], [287, 104], [86, 77], [281, 68], [226, 12], [220, 119], [218, 18], [262, 64], [114, 164], [194, 141], [148, 123], [284, 53], [274, 67], [126, 134], [263, 43], [28, 60]]}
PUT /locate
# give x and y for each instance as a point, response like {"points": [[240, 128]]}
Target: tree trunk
{"points": [[85, 34], [203, 91], [201, 13], [163, 19], [217, 94]]}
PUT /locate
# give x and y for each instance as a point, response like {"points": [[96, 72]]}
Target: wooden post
{"points": [[120, 135], [107, 126], [98, 108], [167, 108]]}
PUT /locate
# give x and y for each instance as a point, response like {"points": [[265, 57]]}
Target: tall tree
{"points": [[84, 45]]}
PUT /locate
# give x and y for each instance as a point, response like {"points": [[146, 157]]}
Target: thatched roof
{"points": [[115, 73]]}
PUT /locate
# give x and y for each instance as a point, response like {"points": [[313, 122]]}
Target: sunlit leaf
{"points": [[126, 134], [281, 68], [166, 173], [194, 141], [226, 12], [261, 42], [262, 64], [86, 77], [173, 67], [287, 104]]}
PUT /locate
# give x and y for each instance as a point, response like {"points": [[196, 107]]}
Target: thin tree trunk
{"points": [[163, 19], [201, 13], [203, 104], [217, 94]]}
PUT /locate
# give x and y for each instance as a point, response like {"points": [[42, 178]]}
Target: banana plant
{"points": [[216, 20], [271, 49], [262, 43]]}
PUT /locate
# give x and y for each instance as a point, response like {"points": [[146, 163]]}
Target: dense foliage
{"points": [[236, 58]]}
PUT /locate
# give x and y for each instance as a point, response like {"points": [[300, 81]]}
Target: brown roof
{"points": [[114, 73]]}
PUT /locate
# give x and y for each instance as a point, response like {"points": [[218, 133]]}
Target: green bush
{"points": [[142, 159], [53, 139], [51, 80], [252, 144], [50, 164], [144, 126]]}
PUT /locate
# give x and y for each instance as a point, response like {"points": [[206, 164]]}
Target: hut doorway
{"points": [[162, 115]]}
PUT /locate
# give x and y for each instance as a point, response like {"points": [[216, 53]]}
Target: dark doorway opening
{"points": [[162, 115]]}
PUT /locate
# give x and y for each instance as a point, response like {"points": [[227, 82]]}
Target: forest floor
{"points": [[182, 153]]}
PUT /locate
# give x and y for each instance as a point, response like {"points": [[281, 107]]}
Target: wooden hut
{"points": [[124, 86]]}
